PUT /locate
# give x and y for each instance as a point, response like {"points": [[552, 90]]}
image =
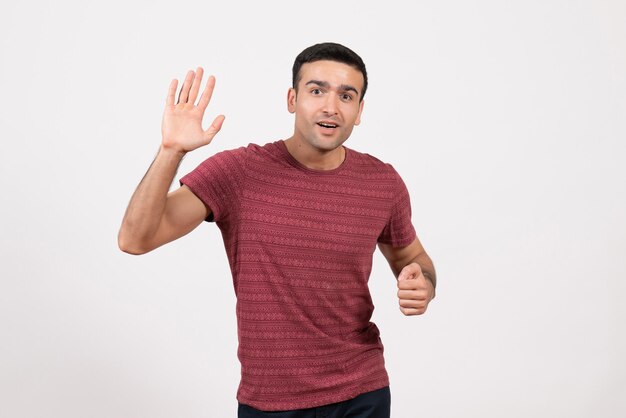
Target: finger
{"points": [[184, 90], [407, 284], [207, 93], [413, 294], [413, 282], [412, 311], [195, 87], [412, 304], [215, 127], [171, 93]]}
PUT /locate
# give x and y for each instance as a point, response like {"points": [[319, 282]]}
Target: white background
{"points": [[505, 118]]}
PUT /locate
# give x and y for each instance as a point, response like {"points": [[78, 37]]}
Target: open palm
{"points": [[182, 121]]}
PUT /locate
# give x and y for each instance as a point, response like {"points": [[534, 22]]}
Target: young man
{"points": [[300, 219]]}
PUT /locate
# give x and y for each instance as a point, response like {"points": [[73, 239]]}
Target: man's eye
{"points": [[346, 97], [316, 91]]}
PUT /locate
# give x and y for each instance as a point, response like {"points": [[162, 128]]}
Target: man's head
{"points": [[327, 96], [329, 51]]}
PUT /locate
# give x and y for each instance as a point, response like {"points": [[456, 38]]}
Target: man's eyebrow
{"points": [[347, 87], [319, 83], [325, 84]]}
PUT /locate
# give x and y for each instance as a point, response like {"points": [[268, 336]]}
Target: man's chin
{"points": [[328, 144]]}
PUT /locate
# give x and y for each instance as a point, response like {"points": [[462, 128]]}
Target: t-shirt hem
{"points": [[317, 401], [192, 182], [401, 242]]}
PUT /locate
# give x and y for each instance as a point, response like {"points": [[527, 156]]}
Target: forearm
{"points": [[146, 206], [400, 258]]}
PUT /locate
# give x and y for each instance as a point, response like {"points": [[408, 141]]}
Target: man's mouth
{"points": [[327, 125]]}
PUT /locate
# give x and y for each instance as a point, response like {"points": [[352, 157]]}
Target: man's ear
{"points": [[358, 118], [291, 100]]}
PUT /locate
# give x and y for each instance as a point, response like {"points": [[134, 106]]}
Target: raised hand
{"points": [[182, 121]]}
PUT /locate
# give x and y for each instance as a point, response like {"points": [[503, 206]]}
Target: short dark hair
{"points": [[332, 52]]}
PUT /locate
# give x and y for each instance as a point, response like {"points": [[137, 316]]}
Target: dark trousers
{"points": [[375, 404]]}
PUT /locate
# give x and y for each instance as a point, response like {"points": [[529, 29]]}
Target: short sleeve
{"points": [[218, 182], [399, 230]]}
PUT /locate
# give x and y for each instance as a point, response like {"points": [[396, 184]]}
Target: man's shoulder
{"points": [[254, 149], [369, 162], [244, 152]]}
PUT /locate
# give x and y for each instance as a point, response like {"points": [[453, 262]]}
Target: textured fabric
{"points": [[375, 404], [300, 245]]}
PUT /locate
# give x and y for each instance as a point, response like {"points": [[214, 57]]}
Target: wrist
{"points": [[431, 280], [172, 152]]}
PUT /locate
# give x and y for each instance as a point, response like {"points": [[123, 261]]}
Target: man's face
{"points": [[327, 104]]}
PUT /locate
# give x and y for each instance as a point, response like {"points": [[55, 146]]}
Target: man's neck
{"points": [[314, 158]]}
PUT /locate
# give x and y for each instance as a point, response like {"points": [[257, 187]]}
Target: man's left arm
{"points": [[415, 273]]}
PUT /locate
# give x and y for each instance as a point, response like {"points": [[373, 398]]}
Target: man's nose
{"points": [[330, 105]]}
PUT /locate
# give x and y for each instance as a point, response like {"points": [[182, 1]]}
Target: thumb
{"points": [[215, 127], [405, 274], [410, 272]]}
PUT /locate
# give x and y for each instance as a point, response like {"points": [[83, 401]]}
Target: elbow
{"points": [[129, 247], [132, 251]]}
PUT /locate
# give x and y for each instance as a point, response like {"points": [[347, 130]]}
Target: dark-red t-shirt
{"points": [[300, 243]]}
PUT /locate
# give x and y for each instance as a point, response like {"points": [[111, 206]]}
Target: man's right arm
{"points": [[154, 216]]}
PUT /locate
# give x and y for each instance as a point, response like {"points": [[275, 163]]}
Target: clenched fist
{"points": [[415, 291]]}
